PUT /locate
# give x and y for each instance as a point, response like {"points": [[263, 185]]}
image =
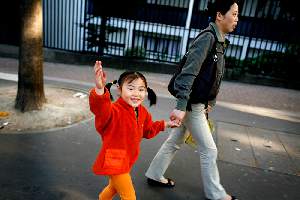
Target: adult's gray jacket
{"points": [[201, 75]]}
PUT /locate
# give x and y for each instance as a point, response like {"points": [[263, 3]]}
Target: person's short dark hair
{"points": [[222, 6]]}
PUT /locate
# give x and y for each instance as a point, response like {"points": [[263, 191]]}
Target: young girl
{"points": [[122, 125]]}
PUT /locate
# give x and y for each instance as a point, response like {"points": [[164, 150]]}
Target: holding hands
{"points": [[177, 116], [171, 124]]}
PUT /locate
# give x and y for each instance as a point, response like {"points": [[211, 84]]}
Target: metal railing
{"points": [[159, 32]]}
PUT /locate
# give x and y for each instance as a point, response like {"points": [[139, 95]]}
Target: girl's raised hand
{"points": [[100, 76]]}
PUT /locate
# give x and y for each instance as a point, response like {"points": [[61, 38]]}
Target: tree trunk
{"points": [[30, 95]]}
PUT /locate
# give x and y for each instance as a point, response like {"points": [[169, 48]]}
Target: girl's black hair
{"points": [[108, 86], [130, 76], [222, 6]]}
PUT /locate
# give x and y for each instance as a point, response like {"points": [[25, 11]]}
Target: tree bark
{"points": [[30, 95]]}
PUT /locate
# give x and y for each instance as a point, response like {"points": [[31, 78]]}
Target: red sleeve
{"points": [[101, 106], [151, 128]]}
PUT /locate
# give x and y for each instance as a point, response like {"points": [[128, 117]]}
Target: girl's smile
{"points": [[133, 92]]}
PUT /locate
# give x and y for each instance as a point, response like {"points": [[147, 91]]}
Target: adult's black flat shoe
{"points": [[232, 198], [169, 184]]}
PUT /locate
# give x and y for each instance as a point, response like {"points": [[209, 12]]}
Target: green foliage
{"points": [[268, 64], [136, 52], [234, 68], [275, 64]]}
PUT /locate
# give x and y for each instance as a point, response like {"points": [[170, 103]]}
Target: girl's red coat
{"points": [[121, 132]]}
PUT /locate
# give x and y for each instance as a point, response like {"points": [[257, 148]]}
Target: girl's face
{"points": [[228, 22], [133, 92]]}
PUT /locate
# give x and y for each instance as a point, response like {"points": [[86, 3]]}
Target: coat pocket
{"points": [[115, 159]]}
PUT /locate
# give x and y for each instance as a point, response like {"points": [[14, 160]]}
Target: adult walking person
{"points": [[196, 88]]}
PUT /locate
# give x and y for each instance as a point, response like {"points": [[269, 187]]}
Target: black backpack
{"points": [[171, 88]]}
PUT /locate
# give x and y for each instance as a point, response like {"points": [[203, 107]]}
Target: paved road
{"points": [[257, 137]]}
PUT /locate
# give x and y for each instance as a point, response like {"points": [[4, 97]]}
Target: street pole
{"points": [[185, 37]]}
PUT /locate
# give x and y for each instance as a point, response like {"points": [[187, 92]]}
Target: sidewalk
{"points": [[258, 139]]}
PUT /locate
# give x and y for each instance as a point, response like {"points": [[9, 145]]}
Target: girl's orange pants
{"points": [[120, 184]]}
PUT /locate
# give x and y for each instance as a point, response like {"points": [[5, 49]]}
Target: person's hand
{"points": [[209, 109], [171, 124], [100, 76], [177, 116]]}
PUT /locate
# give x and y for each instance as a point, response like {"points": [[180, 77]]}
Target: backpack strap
{"points": [[204, 31], [213, 50]]}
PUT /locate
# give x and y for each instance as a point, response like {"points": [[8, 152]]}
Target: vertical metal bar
{"points": [[118, 32], [44, 23], [189, 15], [72, 25], [60, 22], [126, 31], [80, 25], [115, 36], [112, 35], [250, 30], [73, 17], [57, 24], [63, 17], [240, 41], [122, 37], [68, 25], [84, 30], [53, 24], [151, 41]]}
